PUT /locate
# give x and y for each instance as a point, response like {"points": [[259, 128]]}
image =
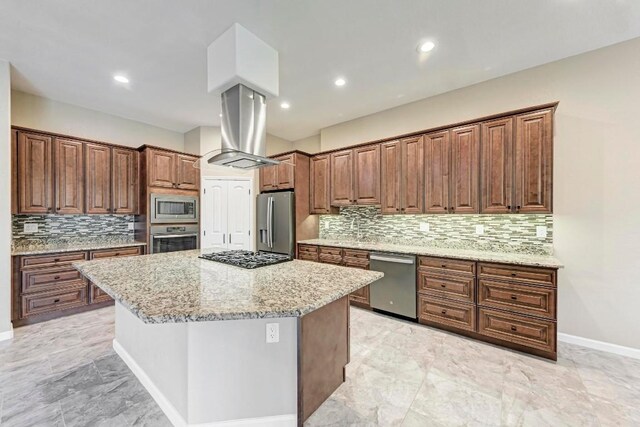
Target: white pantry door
{"points": [[226, 214]]}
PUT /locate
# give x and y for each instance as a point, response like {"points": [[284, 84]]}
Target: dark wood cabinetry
{"points": [[534, 162], [342, 184], [35, 173], [167, 169], [280, 176], [402, 176], [47, 286], [124, 181], [465, 152], [69, 176], [98, 179], [496, 166], [437, 148], [320, 184], [390, 177], [366, 175]]}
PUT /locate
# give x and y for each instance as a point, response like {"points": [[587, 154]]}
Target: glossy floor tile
{"points": [[65, 373]]}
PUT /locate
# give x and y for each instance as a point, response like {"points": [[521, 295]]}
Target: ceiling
{"points": [[69, 50]]}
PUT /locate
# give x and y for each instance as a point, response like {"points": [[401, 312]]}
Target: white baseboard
{"points": [[600, 345], [174, 416], [6, 335]]}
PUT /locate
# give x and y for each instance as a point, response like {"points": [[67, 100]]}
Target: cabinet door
{"points": [[69, 176], [98, 182], [35, 173], [367, 175], [187, 176], [390, 177], [436, 164], [412, 176], [268, 178], [320, 182], [214, 220], [125, 181], [285, 174], [342, 178], [162, 168], [465, 160], [534, 162], [496, 167]]}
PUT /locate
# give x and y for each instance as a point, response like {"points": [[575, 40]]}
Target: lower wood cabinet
{"points": [[47, 286], [529, 332], [448, 313]]}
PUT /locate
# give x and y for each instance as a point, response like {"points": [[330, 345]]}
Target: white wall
{"points": [[596, 174], [309, 145], [277, 145], [45, 114], [5, 200]]}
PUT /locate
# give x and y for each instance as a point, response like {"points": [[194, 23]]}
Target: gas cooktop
{"points": [[246, 259]]}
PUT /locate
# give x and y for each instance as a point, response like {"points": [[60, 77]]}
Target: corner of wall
{"points": [[5, 202]]}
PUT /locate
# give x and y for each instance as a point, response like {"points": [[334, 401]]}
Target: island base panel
{"points": [[217, 371]]}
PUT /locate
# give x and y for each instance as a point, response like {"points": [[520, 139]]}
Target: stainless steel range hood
{"points": [[244, 133]]}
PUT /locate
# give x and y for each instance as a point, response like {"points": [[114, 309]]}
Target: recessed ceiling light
{"points": [[285, 105], [120, 78], [340, 81], [426, 47]]}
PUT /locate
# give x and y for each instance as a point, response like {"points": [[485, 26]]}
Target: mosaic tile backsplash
{"points": [[502, 233], [71, 227]]}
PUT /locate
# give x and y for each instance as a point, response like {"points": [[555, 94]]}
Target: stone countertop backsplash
{"points": [[33, 247], [531, 260], [181, 287]]}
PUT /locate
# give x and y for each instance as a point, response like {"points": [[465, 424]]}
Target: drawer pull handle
{"points": [[56, 260], [513, 274], [56, 278], [444, 266], [443, 285], [56, 300], [514, 297], [444, 311], [513, 328], [117, 253]]}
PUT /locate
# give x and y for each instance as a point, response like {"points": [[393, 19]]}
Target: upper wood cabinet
{"points": [[124, 181], [355, 176], [98, 182], [320, 182], [534, 162], [496, 167], [437, 148], [167, 169], [465, 152], [280, 176], [69, 176], [516, 164], [342, 184], [35, 173], [402, 176]]}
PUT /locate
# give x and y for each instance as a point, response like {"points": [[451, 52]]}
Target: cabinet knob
{"points": [[56, 300], [443, 266], [514, 297], [56, 260], [444, 311], [452, 209], [509, 207], [517, 208], [513, 328], [56, 278], [397, 209], [514, 274], [442, 285]]}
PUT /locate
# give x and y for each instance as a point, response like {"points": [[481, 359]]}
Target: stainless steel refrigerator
{"points": [[277, 223]]}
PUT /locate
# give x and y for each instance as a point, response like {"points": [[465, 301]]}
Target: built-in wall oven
{"points": [[173, 208], [172, 238]]}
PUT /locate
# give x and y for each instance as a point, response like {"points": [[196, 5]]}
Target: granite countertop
{"points": [[476, 255], [71, 246], [180, 287]]}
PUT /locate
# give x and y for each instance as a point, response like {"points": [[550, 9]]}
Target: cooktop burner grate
{"points": [[246, 259]]}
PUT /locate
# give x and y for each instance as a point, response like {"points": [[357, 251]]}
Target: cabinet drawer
{"points": [[454, 287], [330, 259], [533, 275], [356, 263], [360, 296], [45, 302], [448, 313], [532, 300], [48, 279], [535, 333], [97, 295], [356, 254], [307, 249], [52, 260], [112, 253], [330, 251], [308, 256], [447, 266]]}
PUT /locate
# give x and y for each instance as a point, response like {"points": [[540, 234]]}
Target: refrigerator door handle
{"points": [[271, 204]]}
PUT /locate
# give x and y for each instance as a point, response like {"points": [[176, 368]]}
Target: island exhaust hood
{"points": [[243, 127]]}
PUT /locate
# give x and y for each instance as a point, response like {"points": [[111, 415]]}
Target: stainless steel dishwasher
{"points": [[396, 291]]}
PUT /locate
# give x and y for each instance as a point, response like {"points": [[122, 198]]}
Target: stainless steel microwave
{"points": [[170, 208]]}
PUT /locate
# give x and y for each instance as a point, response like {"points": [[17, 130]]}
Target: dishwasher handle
{"points": [[398, 260]]}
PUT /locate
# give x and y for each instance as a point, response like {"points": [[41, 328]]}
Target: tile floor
{"points": [[64, 373]]}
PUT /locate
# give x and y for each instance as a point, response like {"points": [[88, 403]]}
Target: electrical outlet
{"points": [[132, 225], [541, 231], [30, 228], [424, 227], [480, 229], [273, 332], [326, 225]]}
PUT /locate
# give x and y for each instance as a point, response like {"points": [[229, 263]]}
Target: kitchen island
{"points": [[195, 333]]}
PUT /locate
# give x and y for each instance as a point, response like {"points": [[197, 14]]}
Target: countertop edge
{"points": [[96, 247], [547, 261]]}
